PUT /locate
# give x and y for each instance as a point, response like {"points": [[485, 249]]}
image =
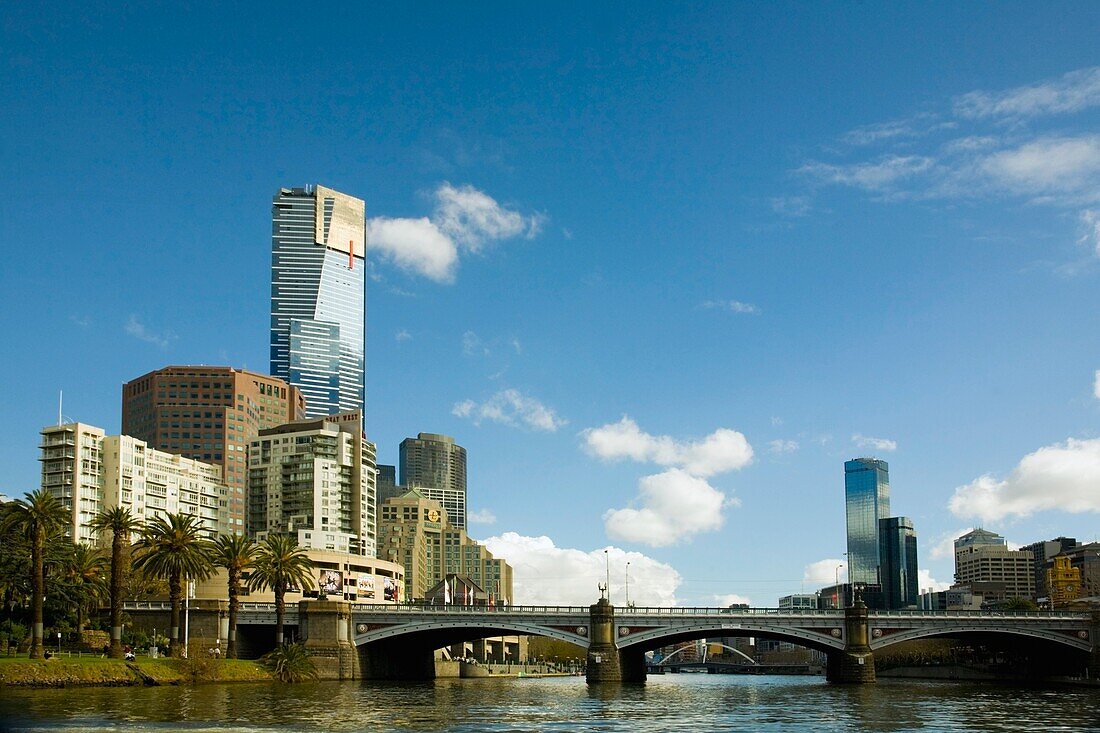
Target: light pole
{"points": [[628, 584], [836, 586], [607, 566]]}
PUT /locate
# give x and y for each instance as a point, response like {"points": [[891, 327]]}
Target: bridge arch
{"points": [[466, 630], [964, 632], [647, 639]]}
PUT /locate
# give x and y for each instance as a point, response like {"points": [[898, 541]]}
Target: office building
{"points": [[315, 480], [898, 563], [415, 532], [318, 288], [984, 563], [866, 501], [388, 488], [210, 414], [798, 602], [90, 472], [436, 466], [1043, 553]]}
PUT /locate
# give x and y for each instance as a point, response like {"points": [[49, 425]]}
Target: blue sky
{"points": [[660, 268]]}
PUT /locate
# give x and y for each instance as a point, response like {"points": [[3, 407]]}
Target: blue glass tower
{"points": [[318, 288], [898, 563], [866, 500]]}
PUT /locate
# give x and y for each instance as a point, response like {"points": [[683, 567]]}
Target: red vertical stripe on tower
{"points": [[351, 254]]}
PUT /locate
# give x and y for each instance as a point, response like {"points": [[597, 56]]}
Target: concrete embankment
{"points": [[92, 671], [960, 673]]}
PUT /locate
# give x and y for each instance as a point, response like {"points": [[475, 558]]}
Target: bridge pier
{"points": [[326, 628], [855, 664], [605, 663]]}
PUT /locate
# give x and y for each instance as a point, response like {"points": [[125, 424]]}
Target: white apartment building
{"points": [[89, 472], [315, 480]]}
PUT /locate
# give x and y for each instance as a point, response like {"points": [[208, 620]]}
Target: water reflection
{"points": [[670, 703]]}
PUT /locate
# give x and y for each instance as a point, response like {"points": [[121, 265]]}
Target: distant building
{"points": [[956, 598], [798, 601], [866, 501], [1063, 581], [315, 480], [318, 289], [89, 472], [415, 532], [1086, 558], [388, 487], [436, 466], [1043, 552], [985, 564], [898, 568], [209, 413]]}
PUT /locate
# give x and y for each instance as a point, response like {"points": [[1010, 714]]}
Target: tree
{"points": [[173, 547], [84, 577], [236, 553], [121, 524], [280, 565], [1019, 604], [40, 519]]}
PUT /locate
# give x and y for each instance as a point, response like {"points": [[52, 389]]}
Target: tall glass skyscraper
{"points": [[318, 238], [867, 500], [898, 570]]}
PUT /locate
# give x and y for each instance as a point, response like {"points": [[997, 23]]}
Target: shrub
{"points": [[290, 663]]}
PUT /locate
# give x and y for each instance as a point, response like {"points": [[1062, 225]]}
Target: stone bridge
{"points": [[352, 640]]}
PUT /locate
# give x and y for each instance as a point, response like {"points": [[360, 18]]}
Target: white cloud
{"points": [[545, 574], [670, 507], [1059, 164], [731, 599], [463, 218], [471, 217], [926, 581], [877, 175], [868, 134], [414, 245], [1064, 476], [517, 345], [481, 516], [825, 572], [944, 546], [794, 206], [402, 335], [1073, 92], [1091, 237], [471, 344], [721, 451], [511, 407], [1096, 385], [139, 331], [783, 446], [733, 306], [883, 444]]}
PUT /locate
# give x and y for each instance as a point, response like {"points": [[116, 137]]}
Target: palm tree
{"points": [[280, 565], [173, 547], [40, 519], [121, 524], [236, 553], [84, 570]]}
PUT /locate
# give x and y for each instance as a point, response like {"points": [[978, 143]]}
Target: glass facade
{"points": [[898, 563], [318, 289], [866, 500]]}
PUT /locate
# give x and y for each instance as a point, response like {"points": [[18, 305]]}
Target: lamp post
{"points": [[628, 584], [607, 566], [836, 586]]}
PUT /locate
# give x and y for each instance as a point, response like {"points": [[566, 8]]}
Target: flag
{"points": [[446, 593]]}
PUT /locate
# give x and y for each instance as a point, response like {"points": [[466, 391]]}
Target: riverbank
{"points": [[959, 673], [97, 671]]}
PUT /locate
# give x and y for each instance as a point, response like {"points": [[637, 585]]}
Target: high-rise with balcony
{"points": [[210, 414], [318, 283], [315, 481], [435, 466], [866, 501]]}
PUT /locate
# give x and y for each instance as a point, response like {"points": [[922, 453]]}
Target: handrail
{"points": [[632, 611]]}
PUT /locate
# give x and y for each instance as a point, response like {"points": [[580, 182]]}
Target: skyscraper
{"points": [[898, 563], [209, 413], [318, 237], [866, 500], [435, 466]]}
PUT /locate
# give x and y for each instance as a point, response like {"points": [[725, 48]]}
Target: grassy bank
{"points": [[78, 671]]}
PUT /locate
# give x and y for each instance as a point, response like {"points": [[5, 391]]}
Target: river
{"points": [[684, 702]]}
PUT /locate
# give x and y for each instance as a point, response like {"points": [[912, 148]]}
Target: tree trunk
{"points": [[115, 650], [175, 594], [38, 590], [280, 612], [234, 603]]}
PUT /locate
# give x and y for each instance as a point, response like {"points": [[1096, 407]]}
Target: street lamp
{"points": [[607, 566], [628, 584], [836, 586]]}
